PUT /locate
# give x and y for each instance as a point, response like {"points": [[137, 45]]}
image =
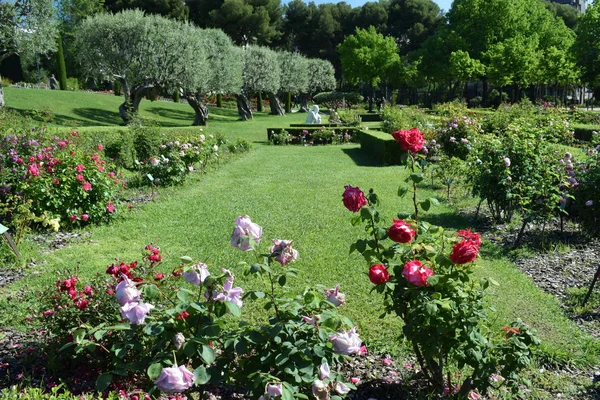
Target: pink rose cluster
{"points": [[175, 379], [245, 234], [416, 273], [130, 300], [283, 252], [353, 198]]}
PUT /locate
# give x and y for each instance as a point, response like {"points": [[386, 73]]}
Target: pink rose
{"points": [[100, 147], [229, 293], [335, 297], [283, 252], [353, 198], [324, 370], [175, 379], [320, 390], [244, 231], [589, 203], [85, 217], [409, 140], [80, 178], [136, 312], [127, 292], [341, 388], [110, 207], [470, 236], [464, 252], [506, 161], [346, 342], [73, 218], [274, 390], [79, 168], [401, 232], [87, 186], [416, 273], [33, 170], [378, 274], [196, 274]]}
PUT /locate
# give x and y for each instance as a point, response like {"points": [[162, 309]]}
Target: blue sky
{"points": [[444, 4]]}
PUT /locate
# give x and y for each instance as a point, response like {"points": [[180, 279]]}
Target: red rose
{"points": [[159, 277], [353, 198], [410, 140], [378, 274], [416, 273], [464, 252], [401, 232], [471, 236]]}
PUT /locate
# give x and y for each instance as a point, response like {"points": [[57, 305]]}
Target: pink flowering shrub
{"points": [[459, 135], [62, 185], [137, 327]]}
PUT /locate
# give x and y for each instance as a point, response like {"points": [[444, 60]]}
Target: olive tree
{"points": [[141, 52], [26, 27], [321, 78], [294, 75], [262, 73]]}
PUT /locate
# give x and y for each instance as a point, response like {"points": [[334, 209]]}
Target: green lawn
{"points": [[294, 193]]}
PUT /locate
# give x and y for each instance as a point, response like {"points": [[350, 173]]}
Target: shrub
{"points": [[426, 278], [282, 137], [335, 100], [451, 109], [323, 136], [586, 203], [475, 102], [459, 135], [73, 84], [397, 118], [170, 323], [63, 185], [517, 172], [350, 117]]}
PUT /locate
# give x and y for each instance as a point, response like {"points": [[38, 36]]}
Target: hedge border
{"points": [[585, 132], [381, 147]]}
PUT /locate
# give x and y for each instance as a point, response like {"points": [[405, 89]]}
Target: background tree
{"points": [[26, 27], [174, 9], [294, 76], [249, 21], [366, 56], [262, 73], [213, 66], [587, 47], [411, 22], [141, 52], [61, 69], [321, 78]]}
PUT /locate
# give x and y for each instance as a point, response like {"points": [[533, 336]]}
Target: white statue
{"points": [[313, 116]]}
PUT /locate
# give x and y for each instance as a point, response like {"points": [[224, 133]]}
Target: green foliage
{"points": [[450, 171], [586, 201], [335, 100], [60, 62], [262, 71], [366, 56], [396, 118], [56, 393], [321, 76], [587, 45], [348, 117], [282, 137], [380, 147], [517, 172]]}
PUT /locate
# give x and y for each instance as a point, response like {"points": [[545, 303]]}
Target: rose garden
{"points": [[447, 252]]}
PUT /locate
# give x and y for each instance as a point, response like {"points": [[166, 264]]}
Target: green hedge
{"points": [[315, 125], [584, 132], [381, 147], [371, 117]]}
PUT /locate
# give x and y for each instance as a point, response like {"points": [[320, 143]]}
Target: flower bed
{"points": [[315, 135]]}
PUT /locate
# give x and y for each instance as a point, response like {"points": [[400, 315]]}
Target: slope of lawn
{"points": [[294, 193]]}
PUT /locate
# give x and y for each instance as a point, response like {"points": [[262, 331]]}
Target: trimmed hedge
{"points": [[371, 117], [316, 125], [381, 146], [584, 132], [297, 131]]}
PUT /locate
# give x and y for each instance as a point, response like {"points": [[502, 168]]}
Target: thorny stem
{"points": [[375, 237], [273, 295]]}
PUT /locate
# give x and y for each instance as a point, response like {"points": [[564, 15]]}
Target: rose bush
{"points": [[140, 328], [61, 185]]}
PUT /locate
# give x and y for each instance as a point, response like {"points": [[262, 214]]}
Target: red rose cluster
{"points": [[410, 140], [154, 256], [378, 274], [467, 249], [80, 298], [118, 270], [416, 273], [353, 198]]}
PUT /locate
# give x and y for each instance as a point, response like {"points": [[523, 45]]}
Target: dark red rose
{"points": [[401, 232], [410, 140], [378, 274], [464, 252], [353, 198]]}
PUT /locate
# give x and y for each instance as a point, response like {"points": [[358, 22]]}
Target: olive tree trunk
{"points": [[244, 108], [133, 96], [200, 109], [303, 102], [276, 108]]}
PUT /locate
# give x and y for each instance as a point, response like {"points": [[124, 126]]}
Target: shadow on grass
{"points": [[97, 116], [361, 159], [449, 220], [186, 117]]}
